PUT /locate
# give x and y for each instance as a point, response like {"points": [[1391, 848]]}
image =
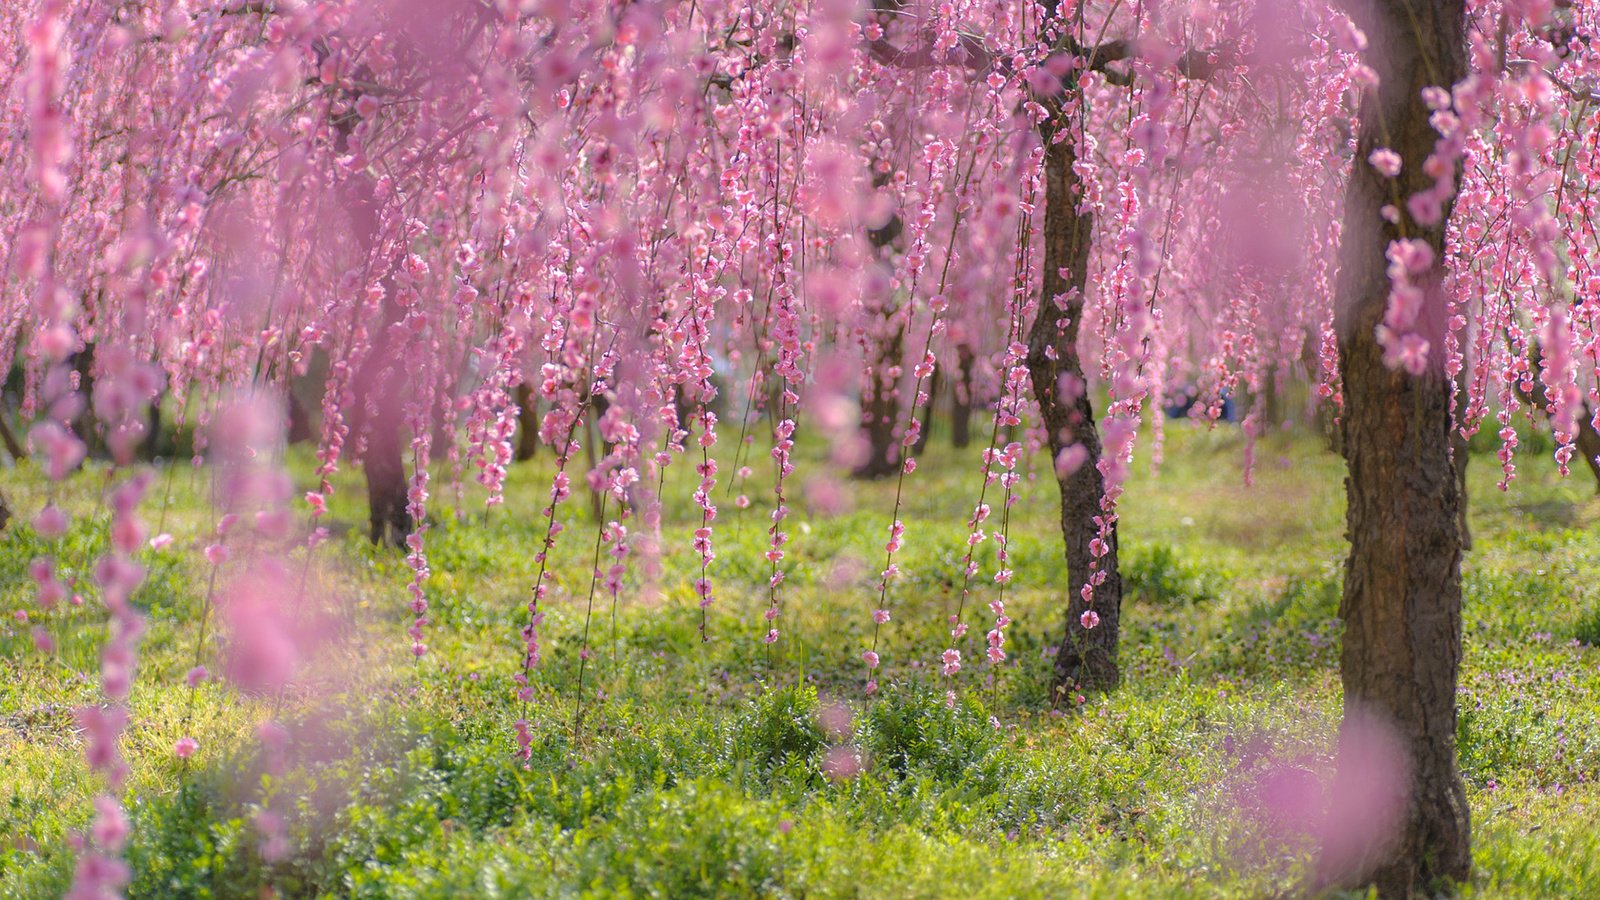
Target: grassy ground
{"points": [[719, 767]]}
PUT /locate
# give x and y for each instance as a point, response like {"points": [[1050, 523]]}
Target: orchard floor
{"points": [[723, 768]]}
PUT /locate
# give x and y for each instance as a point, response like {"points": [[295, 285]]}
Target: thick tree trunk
{"points": [[1087, 656], [527, 423], [1402, 587], [961, 399]]}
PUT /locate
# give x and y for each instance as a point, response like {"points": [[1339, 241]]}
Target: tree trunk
{"points": [[9, 440], [1272, 398], [881, 410], [1087, 656], [921, 443], [879, 414], [151, 446], [379, 386], [5, 512], [300, 430], [1402, 586], [86, 427], [384, 466], [527, 423], [1458, 460], [961, 399], [1587, 441]]}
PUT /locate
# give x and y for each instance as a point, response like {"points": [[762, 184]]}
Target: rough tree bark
{"points": [[1402, 586], [1087, 656]]}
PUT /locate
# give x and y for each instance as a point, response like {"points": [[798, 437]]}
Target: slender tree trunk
{"points": [[1087, 656], [961, 399], [5, 512], [1402, 586], [527, 423]]}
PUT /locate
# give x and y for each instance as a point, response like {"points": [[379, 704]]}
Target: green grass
{"points": [[726, 768]]}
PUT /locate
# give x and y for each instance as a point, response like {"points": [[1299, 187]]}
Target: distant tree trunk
{"points": [[9, 440], [591, 439], [1272, 397], [527, 423], [879, 413], [1587, 440], [1087, 656], [378, 388], [83, 366], [5, 512], [961, 399], [380, 381], [300, 429], [152, 437], [881, 410], [921, 443], [1402, 588], [389, 519]]}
